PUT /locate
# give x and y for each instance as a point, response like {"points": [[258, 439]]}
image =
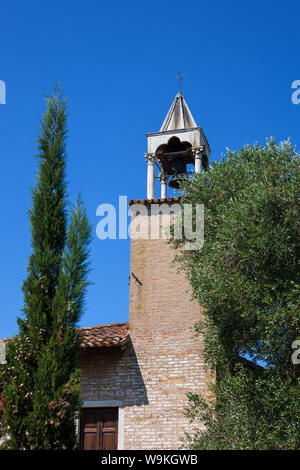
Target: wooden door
{"points": [[99, 429]]}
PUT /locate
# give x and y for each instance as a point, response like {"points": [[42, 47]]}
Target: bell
{"points": [[179, 169], [175, 181]]}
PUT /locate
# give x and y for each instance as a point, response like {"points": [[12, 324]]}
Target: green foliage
{"points": [[40, 382], [247, 274], [250, 413]]}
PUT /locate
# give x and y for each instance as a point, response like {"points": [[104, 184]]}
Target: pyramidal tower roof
{"points": [[179, 116]]}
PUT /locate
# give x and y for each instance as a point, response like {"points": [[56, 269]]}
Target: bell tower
{"points": [[162, 313], [179, 148]]}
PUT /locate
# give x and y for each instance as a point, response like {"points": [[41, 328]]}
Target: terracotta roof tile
{"points": [[104, 336], [154, 201]]}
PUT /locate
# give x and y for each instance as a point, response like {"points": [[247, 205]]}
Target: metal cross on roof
{"points": [[179, 76]]}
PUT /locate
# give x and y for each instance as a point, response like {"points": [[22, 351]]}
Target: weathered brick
{"points": [[163, 361]]}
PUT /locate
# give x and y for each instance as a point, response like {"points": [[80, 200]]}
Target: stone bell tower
{"points": [[161, 312], [179, 144]]}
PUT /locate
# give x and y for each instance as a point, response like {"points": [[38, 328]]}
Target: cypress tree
{"points": [[40, 381]]}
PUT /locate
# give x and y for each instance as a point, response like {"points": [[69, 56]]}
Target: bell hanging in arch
{"points": [[179, 169]]}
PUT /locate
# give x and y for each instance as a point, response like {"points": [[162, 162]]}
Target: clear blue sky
{"points": [[116, 61]]}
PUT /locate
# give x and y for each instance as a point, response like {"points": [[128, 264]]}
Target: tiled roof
{"points": [[104, 336], [5, 340], [154, 201]]}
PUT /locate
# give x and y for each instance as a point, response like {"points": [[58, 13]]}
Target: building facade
{"points": [[136, 375]]}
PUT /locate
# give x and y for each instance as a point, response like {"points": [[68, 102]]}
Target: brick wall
{"points": [[163, 362], [161, 321], [112, 374]]}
